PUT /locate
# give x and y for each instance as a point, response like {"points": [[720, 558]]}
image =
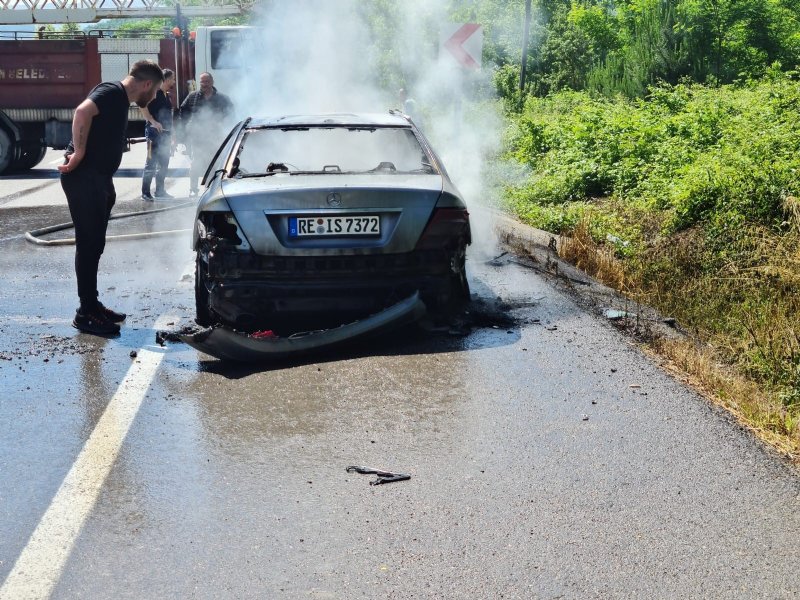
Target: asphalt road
{"points": [[548, 457]]}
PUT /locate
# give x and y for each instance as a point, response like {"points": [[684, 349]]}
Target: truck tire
{"points": [[6, 151], [31, 155]]}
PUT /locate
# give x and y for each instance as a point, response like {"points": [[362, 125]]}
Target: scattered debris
{"points": [[49, 347], [260, 335], [615, 315], [619, 242], [383, 476], [553, 269], [164, 335], [495, 262]]}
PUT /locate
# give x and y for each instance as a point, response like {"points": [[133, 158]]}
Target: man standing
{"points": [[203, 115], [158, 131], [410, 107], [93, 156]]}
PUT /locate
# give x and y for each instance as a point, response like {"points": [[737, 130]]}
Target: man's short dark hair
{"points": [[168, 73], [146, 70]]}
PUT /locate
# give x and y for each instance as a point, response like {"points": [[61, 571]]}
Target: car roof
{"points": [[390, 119]]}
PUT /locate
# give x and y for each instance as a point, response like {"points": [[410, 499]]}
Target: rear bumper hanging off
{"points": [[228, 344]]}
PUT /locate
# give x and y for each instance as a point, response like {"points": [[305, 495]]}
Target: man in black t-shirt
{"points": [[93, 156]]}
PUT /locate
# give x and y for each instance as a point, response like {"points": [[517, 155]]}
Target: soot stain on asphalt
{"points": [[480, 313], [496, 312]]}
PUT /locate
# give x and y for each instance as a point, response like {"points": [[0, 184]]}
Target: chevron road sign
{"points": [[463, 42]]}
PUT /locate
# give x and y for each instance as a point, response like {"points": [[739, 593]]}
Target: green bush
{"points": [[687, 150]]}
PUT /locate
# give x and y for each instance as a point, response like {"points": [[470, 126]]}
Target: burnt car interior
{"points": [[308, 150]]}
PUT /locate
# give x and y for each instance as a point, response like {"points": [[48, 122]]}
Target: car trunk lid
{"points": [[392, 208]]}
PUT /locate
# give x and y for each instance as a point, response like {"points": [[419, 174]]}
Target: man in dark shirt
{"points": [[93, 156], [204, 115], [158, 131]]}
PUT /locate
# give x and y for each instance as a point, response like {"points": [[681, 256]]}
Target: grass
{"points": [[743, 358]]}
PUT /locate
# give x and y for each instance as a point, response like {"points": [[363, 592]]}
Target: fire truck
{"points": [[44, 76]]}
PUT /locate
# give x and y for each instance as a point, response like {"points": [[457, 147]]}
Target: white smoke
{"points": [[310, 56], [322, 56]]}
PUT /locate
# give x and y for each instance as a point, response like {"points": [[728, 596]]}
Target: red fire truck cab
{"points": [[43, 77]]}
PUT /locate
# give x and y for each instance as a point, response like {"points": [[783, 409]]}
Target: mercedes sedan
{"points": [[308, 222]]}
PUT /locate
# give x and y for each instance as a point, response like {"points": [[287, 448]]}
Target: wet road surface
{"points": [[548, 457]]}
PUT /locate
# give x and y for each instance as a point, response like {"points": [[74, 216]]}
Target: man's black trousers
{"points": [[90, 196]]}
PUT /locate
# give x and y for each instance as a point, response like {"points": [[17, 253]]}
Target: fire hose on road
{"points": [[33, 235]]}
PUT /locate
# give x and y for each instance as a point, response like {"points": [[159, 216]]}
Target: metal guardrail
{"points": [[18, 12], [142, 5], [65, 4]]}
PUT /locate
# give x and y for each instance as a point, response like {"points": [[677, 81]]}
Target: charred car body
{"points": [[313, 221]]}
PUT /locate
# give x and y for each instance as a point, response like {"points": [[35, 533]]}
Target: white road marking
{"points": [[41, 562]]}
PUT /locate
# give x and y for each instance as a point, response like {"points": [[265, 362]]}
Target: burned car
{"points": [[309, 222]]}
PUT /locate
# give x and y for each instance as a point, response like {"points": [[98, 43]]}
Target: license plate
{"points": [[361, 225]]}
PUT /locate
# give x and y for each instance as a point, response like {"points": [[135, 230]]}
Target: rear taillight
{"points": [[221, 226], [447, 227]]}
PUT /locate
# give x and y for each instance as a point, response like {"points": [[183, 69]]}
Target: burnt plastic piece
{"points": [[383, 476]]}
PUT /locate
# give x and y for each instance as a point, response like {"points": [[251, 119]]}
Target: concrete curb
{"points": [[539, 251]]}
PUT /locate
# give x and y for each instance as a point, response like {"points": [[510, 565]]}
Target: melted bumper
{"points": [[228, 344]]}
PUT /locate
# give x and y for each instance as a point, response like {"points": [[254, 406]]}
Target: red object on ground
{"points": [[260, 335]]}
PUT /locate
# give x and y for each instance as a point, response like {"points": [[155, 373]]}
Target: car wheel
{"points": [[32, 154], [202, 312], [459, 285], [455, 292], [6, 150]]}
